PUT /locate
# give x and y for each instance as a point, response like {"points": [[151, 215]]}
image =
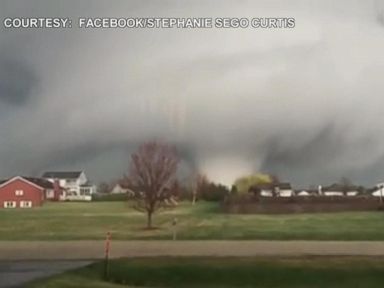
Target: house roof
{"points": [[62, 174], [270, 186], [42, 183], [309, 190], [339, 188], [284, 185], [303, 192], [124, 184], [121, 186]]}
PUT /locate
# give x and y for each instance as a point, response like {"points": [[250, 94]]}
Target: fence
{"points": [[282, 205]]}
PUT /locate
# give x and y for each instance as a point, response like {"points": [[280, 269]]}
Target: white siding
{"points": [[352, 193], [377, 193], [303, 193], [286, 193], [118, 190], [49, 194], [266, 193], [333, 193], [82, 179]]}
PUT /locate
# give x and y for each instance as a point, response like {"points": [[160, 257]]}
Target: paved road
{"points": [[22, 261], [17, 273], [93, 250]]}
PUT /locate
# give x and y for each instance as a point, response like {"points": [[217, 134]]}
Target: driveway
{"points": [[17, 273]]}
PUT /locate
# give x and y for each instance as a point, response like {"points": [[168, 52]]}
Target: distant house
{"points": [[303, 193], [284, 190], [378, 190], [378, 193], [308, 192], [271, 189], [25, 192], [76, 185], [339, 190], [264, 190], [119, 189]]}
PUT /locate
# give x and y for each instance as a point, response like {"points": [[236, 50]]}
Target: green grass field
{"points": [[226, 272], [78, 221]]}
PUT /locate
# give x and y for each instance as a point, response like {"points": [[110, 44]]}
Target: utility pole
{"points": [[174, 223]]}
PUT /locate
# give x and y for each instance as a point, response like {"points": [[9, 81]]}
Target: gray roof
{"points": [[62, 174], [271, 186], [284, 186], [340, 188], [40, 182]]}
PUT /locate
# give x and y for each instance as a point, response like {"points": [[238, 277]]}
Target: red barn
{"points": [[24, 192]]}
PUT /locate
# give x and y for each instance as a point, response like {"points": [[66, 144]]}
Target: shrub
{"points": [[214, 192], [110, 197]]}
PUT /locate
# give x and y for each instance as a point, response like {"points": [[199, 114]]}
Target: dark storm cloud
{"points": [[17, 81], [325, 145], [312, 159], [303, 103]]}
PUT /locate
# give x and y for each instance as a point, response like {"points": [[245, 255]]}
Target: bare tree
{"points": [[152, 175], [198, 182]]}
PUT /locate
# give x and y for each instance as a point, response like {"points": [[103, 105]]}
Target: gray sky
{"points": [[303, 103]]}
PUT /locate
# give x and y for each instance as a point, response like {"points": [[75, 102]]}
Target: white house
{"points": [[333, 193], [119, 189], [352, 193], [309, 191], [280, 190], [339, 190], [379, 190], [378, 193], [75, 184], [284, 190], [266, 190], [303, 193]]}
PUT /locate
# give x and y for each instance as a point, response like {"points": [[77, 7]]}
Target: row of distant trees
{"points": [[153, 183], [198, 188]]}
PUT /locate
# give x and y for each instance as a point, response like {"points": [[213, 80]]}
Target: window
{"points": [[50, 194], [19, 192], [85, 191], [25, 204], [9, 204]]}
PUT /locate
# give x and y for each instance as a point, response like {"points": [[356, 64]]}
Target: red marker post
{"points": [[107, 249], [174, 223]]}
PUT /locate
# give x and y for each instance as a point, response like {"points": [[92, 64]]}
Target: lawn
{"points": [[79, 221], [226, 272]]}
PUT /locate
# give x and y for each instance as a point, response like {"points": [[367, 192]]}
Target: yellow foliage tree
{"points": [[242, 184]]}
